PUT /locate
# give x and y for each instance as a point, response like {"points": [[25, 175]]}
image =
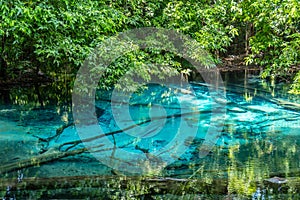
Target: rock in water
{"points": [[277, 183], [276, 180]]}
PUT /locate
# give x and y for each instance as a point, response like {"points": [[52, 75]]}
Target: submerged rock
{"points": [[276, 180], [277, 184], [236, 110]]}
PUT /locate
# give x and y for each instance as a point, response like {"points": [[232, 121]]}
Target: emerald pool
{"points": [[254, 155]]}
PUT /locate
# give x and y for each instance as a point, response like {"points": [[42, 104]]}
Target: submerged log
{"points": [[49, 156], [261, 93], [54, 153], [287, 104], [147, 184], [96, 186]]}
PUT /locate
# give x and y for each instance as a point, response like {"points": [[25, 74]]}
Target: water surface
{"points": [[259, 139]]}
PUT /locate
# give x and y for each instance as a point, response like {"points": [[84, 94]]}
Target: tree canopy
{"points": [[55, 37]]}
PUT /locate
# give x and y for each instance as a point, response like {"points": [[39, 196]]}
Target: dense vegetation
{"points": [[55, 37]]}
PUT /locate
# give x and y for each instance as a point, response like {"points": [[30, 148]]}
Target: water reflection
{"points": [[260, 140], [38, 94]]}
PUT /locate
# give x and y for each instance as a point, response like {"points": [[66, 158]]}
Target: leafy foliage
{"points": [[57, 36], [276, 43], [53, 36]]}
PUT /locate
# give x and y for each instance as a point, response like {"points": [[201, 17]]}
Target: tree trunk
{"points": [[3, 64], [248, 34]]}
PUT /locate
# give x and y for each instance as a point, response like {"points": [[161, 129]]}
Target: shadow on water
{"points": [[256, 156]]}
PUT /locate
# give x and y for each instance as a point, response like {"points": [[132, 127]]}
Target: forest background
{"points": [[54, 37]]}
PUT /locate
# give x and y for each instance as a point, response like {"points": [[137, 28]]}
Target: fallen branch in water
{"points": [[132, 126], [286, 104], [147, 185], [49, 156], [265, 96], [102, 186], [52, 155], [59, 131], [55, 153]]}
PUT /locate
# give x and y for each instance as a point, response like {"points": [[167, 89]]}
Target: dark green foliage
{"points": [[55, 37], [275, 44]]}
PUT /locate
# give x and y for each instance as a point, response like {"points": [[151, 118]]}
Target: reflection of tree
{"points": [[252, 163], [41, 94]]}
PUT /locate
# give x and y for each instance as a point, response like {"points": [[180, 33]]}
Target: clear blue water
{"points": [[257, 137]]}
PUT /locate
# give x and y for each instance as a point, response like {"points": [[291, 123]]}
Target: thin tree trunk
{"points": [[248, 34], [3, 64], [247, 39]]}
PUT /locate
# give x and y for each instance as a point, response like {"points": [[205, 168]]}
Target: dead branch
{"points": [[160, 185], [49, 156]]}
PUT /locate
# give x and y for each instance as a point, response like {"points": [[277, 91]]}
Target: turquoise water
{"points": [[254, 135]]}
